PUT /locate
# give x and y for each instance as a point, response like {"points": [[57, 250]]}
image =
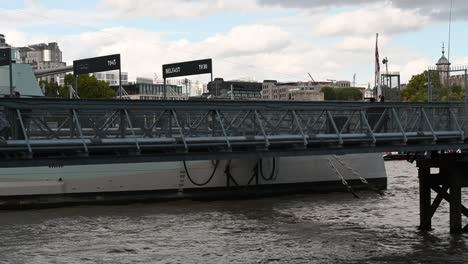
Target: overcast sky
{"points": [[259, 39]]}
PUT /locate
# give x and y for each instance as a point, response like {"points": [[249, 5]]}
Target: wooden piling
{"points": [[455, 200], [425, 198]]}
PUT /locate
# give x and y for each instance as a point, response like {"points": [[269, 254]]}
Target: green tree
{"points": [[91, 88], [457, 93], [417, 89], [329, 93], [342, 94], [348, 94], [53, 89]]}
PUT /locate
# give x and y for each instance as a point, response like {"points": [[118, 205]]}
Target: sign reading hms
{"points": [[187, 68], [97, 64], [5, 57]]}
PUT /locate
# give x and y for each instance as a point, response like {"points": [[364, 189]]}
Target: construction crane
{"points": [[311, 77]]}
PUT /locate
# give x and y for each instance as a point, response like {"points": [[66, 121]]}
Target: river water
{"points": [[318, 228]]}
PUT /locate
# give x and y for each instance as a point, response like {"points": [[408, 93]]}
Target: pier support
{"points": [[455, 201], [425, 216], [447, 184]]}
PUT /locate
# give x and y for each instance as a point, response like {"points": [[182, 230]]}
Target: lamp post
{"points": [[385, 62]]}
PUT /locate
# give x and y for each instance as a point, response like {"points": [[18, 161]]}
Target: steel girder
{"points": [[87, 131]]}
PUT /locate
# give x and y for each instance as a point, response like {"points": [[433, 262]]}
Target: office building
{"points": [[43, 56], [151, 91], [111, 77], [234, 89]]}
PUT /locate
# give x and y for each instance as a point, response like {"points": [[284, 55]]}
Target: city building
{"points": [[111, 77], [200, 88], [151, 91], [144, 80], [369, 94], [269, 90], [294, 91], [443, 68], [306, 95], [41, 57], [179, 82], [298, 91], [342, 84], [447, 74], [238, 90], [15, 56], [457, 80]]}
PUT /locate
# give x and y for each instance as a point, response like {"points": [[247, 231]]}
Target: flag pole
{"points": [[377, 68]]}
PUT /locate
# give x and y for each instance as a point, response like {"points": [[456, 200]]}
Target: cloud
{"points": [[329, 45], [414, 66], [436, 9], [174, 9], [370, 20], [360, 44], [255, 51], [17, 38], [312, 3], [248, 40], [35, 14], [142, 51], [244, 50]]}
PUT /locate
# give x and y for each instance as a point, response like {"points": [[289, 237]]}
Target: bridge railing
{"points": [[36, 127]]}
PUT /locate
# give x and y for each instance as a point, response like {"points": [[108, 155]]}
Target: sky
{"points": [[282, 40]]}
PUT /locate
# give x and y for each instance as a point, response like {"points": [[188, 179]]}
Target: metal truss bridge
{"points": [[55, 132]]}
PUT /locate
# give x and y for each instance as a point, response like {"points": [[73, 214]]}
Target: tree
{"points": [[90, 88], [329, 93], [348, 94], [417, 89], [53, 89], [342, 94]]}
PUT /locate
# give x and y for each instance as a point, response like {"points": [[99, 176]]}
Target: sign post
{"points": [[165, 90], [97, 64], [185, 69], [120, 83], [5, 59]]}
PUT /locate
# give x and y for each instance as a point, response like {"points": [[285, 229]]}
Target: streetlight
{"points": [[385, 62]]}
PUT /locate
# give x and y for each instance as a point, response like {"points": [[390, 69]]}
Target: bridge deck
{"points": [[39, 132]]}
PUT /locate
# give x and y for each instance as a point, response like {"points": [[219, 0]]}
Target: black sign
{"points": [[187, 68], [97, 64], [5, 56]]}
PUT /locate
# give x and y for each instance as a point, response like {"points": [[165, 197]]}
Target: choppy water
{"points": [[325, 228]]}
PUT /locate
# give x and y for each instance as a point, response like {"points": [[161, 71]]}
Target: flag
{"points": [[377, 66]]}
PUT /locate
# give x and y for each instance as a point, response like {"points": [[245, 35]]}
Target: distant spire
{"points": [[443, 49]]}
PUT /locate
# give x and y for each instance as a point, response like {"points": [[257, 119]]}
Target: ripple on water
{"points": [[321, 228]]}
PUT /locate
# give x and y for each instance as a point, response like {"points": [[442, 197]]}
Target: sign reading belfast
{"points": [[5, 57], [187, 68], [97, 64]]}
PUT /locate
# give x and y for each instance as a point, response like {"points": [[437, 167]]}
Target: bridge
{"points": [[47, 132], [37, 132], [54, 71]]}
